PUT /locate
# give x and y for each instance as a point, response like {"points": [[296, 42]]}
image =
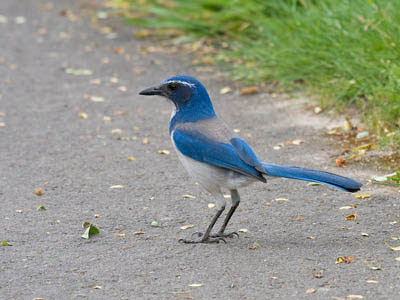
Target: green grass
{"points": [[345, 51]]}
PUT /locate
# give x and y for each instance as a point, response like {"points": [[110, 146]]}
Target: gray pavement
{"points": [[45, 142]]}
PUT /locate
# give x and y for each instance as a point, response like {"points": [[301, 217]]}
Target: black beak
{"points": [[152, 91]]}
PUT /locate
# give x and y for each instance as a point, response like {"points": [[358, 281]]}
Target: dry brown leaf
{"points": [[351, 217], [254, 246], [38, 191], [138, 233], [251, 90], [348, 259], [340, 162]]}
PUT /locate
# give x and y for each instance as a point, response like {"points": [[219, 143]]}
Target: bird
{"points": [[217, 158]]}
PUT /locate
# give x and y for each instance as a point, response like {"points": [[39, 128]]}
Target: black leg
{"points": [[235, 203], [205, 237]]}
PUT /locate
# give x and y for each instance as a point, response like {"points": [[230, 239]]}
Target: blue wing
{"points": [[205, 149]]}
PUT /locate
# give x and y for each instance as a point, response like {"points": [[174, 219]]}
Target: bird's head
{"points": [[187, 93]]}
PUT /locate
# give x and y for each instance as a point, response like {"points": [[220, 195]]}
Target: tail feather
{"points": [[340, 182]]}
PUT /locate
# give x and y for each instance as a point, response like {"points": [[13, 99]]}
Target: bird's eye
{"points": [[172, 86]]}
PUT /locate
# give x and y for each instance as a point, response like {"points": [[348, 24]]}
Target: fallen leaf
{"points": [[397, 248], [310, 237], [351, 217], [5, 243], [211, 205], [90, 230], [254, 246], [145, 141], [187, 196], [372, 281], [20, 20], [236, 130], [118, 50], [38, 298], [196, 284], [397, 258], [19, 211], [96, 99], [164, 152], [281, 199], [123, 88], [41, 207], [318, 274], [393, 223], [340, 162], [107, 119], [116, 131], [227, 196], [225, 90], [311, 291], [348, 259], [339, 260], [114, 79], [317, 110], [244, 230], [95, 81], [83, 115], [39, 192], [3, 19], [251, 90], [298, 219], [120, 234], [130, 158], [374, 267], [97, 216], [348, 206], [365, 196], [354, 297], [138, 233], [155, 224], [117, 186], [97, 287], [297, 142], [364, 234], [187, 227]]}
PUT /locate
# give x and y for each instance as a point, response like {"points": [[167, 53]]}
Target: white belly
{"points": [[214, 178]]}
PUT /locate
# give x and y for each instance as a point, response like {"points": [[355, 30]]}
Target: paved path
{"points": [[45, 144]]}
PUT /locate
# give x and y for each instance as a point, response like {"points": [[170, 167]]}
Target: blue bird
{"points": [[216, 158]]}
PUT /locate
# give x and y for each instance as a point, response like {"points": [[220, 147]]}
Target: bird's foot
{"points": [[201, 238], [225, 235]]}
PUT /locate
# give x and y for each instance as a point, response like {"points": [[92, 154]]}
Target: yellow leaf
{"points": [[187, 227], [211, 205], [187, 196], [225, 90], [243, 230], [255, 246], [339, 260], [164, 152], [397, 248], [121, 234], [131, 158], [83, 115], [397, 258]]}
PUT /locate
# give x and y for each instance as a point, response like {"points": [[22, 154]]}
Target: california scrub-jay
{"points": [[216, 158]]}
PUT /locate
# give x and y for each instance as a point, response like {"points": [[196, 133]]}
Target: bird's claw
{"points": [[225, 235], [202, 239]]}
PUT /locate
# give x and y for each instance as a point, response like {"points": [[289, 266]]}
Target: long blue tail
{"points": [[340, 182]]}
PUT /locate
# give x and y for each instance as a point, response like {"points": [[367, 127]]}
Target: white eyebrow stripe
{"points": [[182, 82]]}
